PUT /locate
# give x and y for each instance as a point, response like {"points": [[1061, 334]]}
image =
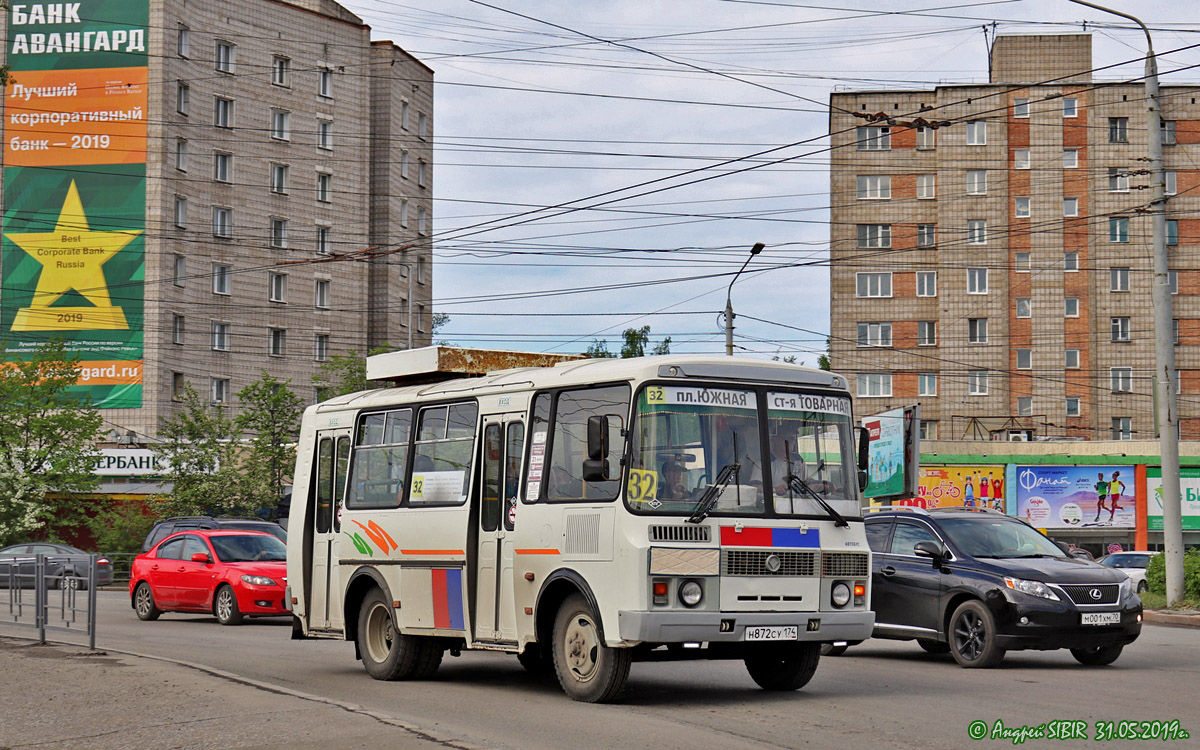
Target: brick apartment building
{"points": [[993, 260], [277, 136]]}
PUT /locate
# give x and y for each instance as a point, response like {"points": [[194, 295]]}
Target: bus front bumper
{"points": [[675, 626]]}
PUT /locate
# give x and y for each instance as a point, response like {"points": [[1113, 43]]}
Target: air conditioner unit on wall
{"points": [[1017, 436]]}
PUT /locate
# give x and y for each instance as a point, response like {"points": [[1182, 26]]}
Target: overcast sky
{"points": [[651, 114]]}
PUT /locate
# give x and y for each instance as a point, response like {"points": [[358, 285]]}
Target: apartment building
{"points": [[991, 253], [260, 177]]}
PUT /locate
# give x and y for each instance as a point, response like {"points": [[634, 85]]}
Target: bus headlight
{"points": [[690, 593], [840, 594]]}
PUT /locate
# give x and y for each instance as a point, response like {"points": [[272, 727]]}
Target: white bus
{"points": [[583, 516]]}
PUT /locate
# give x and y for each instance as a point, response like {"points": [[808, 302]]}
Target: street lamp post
{"points": [[758, 248]]}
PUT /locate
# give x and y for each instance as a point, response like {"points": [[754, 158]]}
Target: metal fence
{"points": [[122, 564], [41, 596]]}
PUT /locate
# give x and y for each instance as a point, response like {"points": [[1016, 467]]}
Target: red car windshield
{"points": [[248, 548]]}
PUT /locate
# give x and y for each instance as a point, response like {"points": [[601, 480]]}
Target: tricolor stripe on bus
{"points": [[769, 537], [448, 598]]}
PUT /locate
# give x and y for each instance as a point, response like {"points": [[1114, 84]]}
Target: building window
{"points": [[977, 281], [422, 125], [421, 170], [1121, 379], [976, 232], [220, 279], [183, 41], [222, 221], [873, 138], [1071, 261], [874, 384], [178, 386], [1173, 281], [1070, 206], [279, 232], [224, 57], [325, 135], [404, 165], [324, 181], [1118, 230], [177, 329], [179, 271], [1021, 158], [322, 293], [926, 384], [1071, 307], [1070, 106], [325, 83], [977, 382], [220, 390], [182, 96], [422, 220], [926, 235], [1070, 158], [926, 333], [1175, 331], [1023, 262], [324, 243], [1167, 128], [1024, 406], [281, 68], [873, 284], [1122, 428], [926, 139], [1020, 108], [279, 175], [1118, 279], [976, 182], [278, 342], [1172, 231], [874, 235], [1073, 406], [1021, 207], [1071, 359], [977, 330], [874, 334], [1120, 329], [404, 213], [404, 115], [278, 287], [1169, 182], [181, 212], [222, 167], [926, 283], [1118, 180], [321, 347], [976, 132], [181, 151], [1024, 307], [421, 270], [1024, 359], [874, 187], [220, 337], [281, 125], [1118, 128], [926, 186]]}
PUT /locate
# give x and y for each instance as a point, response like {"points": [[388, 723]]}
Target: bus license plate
{"points": [[772, 633], [1101, 618]]}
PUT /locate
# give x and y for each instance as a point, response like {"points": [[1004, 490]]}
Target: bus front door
{"points": [[323, 523], [503, 447]]}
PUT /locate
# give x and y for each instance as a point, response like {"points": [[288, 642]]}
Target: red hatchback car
{"points": [[230, 574]]}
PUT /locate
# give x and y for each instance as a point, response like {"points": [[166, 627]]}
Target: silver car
{"points": [[1132, 564]]}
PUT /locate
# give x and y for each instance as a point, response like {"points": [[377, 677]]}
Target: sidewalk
{"points": [[58, 696], [1187, 618]]}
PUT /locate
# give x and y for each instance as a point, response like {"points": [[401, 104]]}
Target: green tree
{"points": [[598, 350], [345, 373], [46, 443], [823, 359], [635, 342], [271, 413]]}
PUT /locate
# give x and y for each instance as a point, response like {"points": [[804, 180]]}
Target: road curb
{"points": [[1161, 617]]}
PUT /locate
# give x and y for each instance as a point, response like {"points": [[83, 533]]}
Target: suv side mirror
{"points": [[1066, 548], [201, 557], [931, 550], [864, 446]]}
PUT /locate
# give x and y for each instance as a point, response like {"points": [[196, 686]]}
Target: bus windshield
{"points": [[687, 439]]}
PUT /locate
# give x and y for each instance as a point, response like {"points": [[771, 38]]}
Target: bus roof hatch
{"points": [[431, 364]]}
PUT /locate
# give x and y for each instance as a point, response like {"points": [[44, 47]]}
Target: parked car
{"points": [[1131, 563], [167, 526], [230, 574], [977, 583], [65, 566]]}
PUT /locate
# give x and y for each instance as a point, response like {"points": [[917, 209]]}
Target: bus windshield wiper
{"points": [[796, 484], [708, 500]]}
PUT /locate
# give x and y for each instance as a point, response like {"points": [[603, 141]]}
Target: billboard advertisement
{"points": [[958, 486], [72, 258], [885, 462], [1072, 497], [1189, 495]]}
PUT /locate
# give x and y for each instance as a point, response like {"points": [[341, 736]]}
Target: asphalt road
{"points": [[881, 693]]}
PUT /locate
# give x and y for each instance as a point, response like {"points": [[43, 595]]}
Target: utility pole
{"points": [[758, 248], [1164, 344]]}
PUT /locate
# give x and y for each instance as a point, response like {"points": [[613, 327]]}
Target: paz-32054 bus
{"points": [[582, 516]]}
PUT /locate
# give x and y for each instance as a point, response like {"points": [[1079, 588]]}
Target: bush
{"points": [[1156, 574], [121, 526]]}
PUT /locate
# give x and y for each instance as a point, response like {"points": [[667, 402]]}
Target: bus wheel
{"points": [[785, 667], [386, 653], [588, 670]]}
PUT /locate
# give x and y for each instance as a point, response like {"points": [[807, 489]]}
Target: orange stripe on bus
{"points": [[431, 552], [536, 551]]}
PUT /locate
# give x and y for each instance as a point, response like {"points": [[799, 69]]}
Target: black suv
{"points": [[167, 526], [978, 583]]}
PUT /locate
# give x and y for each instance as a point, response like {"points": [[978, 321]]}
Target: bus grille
{"points": [[848, 564], [689, 533], [1081, 593], [746, 562]]}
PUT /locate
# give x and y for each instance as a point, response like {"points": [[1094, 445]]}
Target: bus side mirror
{"points": [[862, 480], [864, 447], [597, 437]]}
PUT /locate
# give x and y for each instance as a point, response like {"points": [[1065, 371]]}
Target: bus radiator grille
{"points": [[689, 533], [845, 564], [739, 562]]}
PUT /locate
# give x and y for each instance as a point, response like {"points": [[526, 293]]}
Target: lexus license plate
{"points": [[1101, 618], [771, 633]]}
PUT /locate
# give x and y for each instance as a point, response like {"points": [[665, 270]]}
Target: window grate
{"points": [[850, 564], [754, 563]]}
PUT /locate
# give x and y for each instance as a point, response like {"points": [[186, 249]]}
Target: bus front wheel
{"points": [[388, 654], [588, 670], [784, 667]]}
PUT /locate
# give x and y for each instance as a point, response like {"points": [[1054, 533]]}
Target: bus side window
{"points": [[442, 456], [341, 467], [514, 444], [377, 470], [324, 485], [568, 445], [536, 465], [489, 513]]}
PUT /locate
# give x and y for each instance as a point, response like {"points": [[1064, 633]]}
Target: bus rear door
{"points": [[322, 525], [503, 447]]}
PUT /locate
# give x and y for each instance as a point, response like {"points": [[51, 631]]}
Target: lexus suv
{"points": [[977, 583]]}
